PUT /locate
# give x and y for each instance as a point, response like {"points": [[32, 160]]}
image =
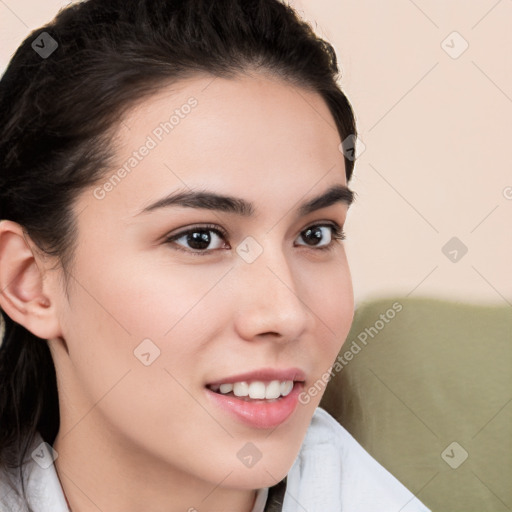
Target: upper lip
{"points": [[263, 374]]}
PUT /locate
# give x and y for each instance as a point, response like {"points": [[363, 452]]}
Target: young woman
{"points": [[172, 272]]}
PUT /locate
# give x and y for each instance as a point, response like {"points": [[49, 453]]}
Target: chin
{"points": [[259, 476], [272, 462]]}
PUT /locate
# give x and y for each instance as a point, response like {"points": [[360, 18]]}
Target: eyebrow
{"points": [[213, 201]]}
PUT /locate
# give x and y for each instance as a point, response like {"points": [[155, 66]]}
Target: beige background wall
{"points": [[435, 120]]}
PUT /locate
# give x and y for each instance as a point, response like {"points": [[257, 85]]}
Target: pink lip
{"points": [[261, 414], [263, 374]]}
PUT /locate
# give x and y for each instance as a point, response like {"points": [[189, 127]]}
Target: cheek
{"points": [[123, 314], [332, 302], [137, 321], [146, 296]]}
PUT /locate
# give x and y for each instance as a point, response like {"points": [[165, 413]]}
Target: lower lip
{"points": [[259, 413]]}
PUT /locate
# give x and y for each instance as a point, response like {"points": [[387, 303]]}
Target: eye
{"points": [[198, 239], [315, 233]]}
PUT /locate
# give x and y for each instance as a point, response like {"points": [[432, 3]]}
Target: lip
{"points": [[263, 374], [261, 414]]}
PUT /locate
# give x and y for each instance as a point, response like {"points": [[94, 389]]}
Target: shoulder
{"points": [[10, 490], [42, 486], [334, 472]]}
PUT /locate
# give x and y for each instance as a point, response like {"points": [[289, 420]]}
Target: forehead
{"points": [[253, 135]]}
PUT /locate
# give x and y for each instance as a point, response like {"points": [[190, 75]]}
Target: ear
{"points": [[22, 295]]}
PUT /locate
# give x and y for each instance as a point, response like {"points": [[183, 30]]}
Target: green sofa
{"points": [[425, 385]]}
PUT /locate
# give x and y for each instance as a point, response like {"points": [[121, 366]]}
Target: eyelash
{"points": [[337, 235]]}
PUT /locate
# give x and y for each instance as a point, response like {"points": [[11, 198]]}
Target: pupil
{"points": [[199, 239], [317, 233]]}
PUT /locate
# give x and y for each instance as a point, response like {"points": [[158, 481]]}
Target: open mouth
{"points": [[261, 399], [269, 391]]}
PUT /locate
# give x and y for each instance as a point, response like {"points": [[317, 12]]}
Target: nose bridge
{"points": [[269, 300]]}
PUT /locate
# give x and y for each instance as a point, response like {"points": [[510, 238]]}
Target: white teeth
{"points": [[241, 389], [273, 389], [226, 388], [286, 387], [256, 390]]}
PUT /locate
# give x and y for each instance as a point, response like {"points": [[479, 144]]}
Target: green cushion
{"points": [[430, 373]]}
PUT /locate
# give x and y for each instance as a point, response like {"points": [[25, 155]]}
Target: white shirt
{"points": [[332, 473]]}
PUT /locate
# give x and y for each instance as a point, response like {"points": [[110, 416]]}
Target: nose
{"points": [[269, 302]]}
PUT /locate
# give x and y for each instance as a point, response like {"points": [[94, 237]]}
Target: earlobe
{"points": [[22, 294]]}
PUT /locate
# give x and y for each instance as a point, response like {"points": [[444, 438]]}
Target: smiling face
{"points": [[169, 299]]}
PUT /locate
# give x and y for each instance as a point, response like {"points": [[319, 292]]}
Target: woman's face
{"points": [[151, 325]]}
